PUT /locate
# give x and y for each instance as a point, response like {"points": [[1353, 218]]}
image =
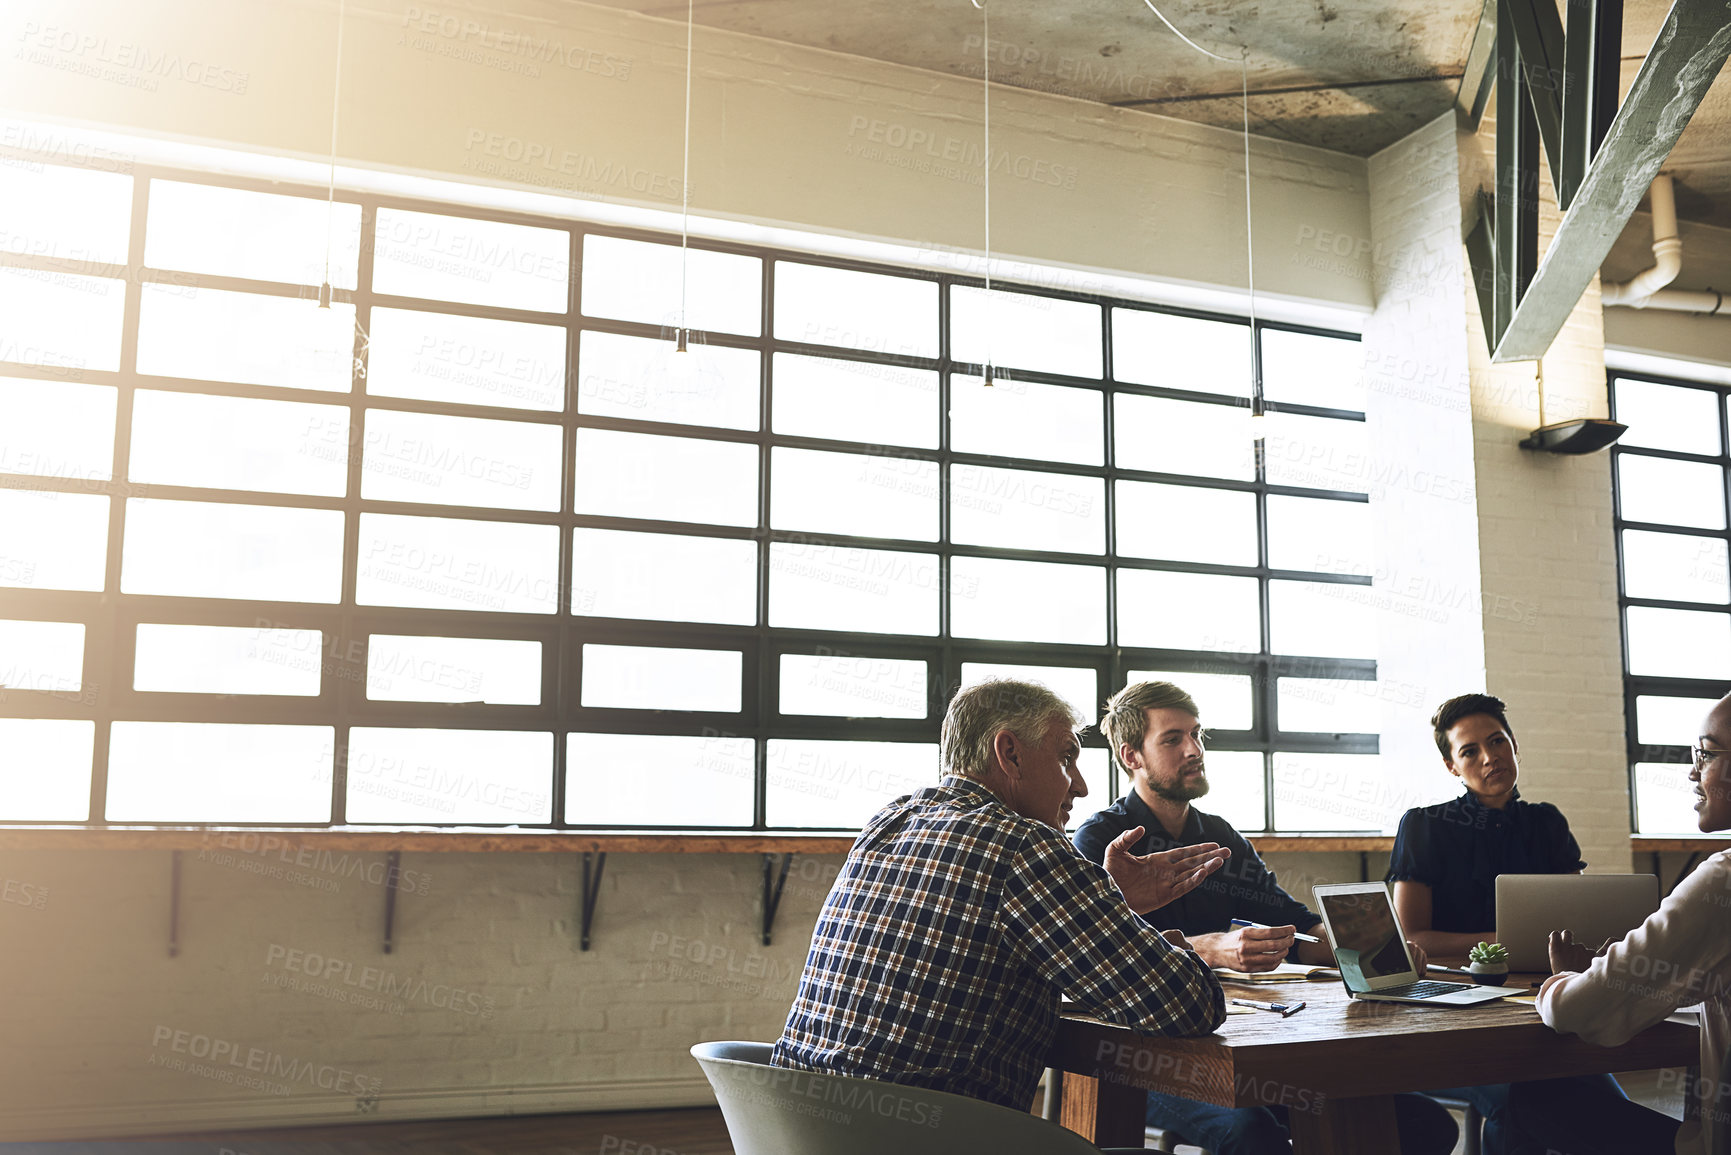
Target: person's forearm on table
{"points": [[1450, 944]]}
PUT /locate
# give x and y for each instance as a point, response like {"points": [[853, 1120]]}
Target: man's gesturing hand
{"points": [[1249, 948], [1150, 881]]}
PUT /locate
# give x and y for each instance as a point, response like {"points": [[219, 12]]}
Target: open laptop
{"points": [[1370, 949], [1595, 907]]}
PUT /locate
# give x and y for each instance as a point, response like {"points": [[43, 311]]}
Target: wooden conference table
{"points": [[1336, 1065]]}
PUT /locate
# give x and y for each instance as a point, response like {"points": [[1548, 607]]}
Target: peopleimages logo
{"points": [[330, 970], [232, 1062]]}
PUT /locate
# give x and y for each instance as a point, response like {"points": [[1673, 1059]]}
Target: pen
{"points": [[1283, 1009], [1263, 926]]}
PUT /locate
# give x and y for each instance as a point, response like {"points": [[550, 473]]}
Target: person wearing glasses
{"points": [[1680, 955], [1444, 872]]}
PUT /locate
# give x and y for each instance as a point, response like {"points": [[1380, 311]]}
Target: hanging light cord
{"points": [[986, 102], [685, 184], [1181, 35], [331, 190]]}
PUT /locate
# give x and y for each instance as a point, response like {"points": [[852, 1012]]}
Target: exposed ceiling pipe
{"points": [[1646, 290]]}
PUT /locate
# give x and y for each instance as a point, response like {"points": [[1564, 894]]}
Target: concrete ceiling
{"points": [[1349, 75]]}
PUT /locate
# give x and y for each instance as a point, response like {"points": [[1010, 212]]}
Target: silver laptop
{"points": [[1595, 907], [1370, 949]]}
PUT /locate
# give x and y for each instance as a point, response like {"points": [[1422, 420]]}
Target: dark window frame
{"points": [[110, 617], [1636, 685]]}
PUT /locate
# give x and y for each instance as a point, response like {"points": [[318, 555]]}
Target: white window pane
{"points": [[1224, 699], [1318, 535], [1328, 706], [1096, 767], [622, 780], [855, 310], [658, 678], [1075, 686], [61, 319], [239, 443], [216, 335], [1317, 452], [1304, 369], [412, 668], [199, 549], [57, 429], [1181, 352], [1331, 792], [1674, 567], [1322, 619], [647, 379], [666, 478], [43, 656], [460, 460], [862, 495], [1188, 611], [1024, 331], [1186, 523], [1679, 643], [1017, 508], [466, 360], [45, 769], [448, 563], [840, 685], [76, 214], [227, 660], [1667, 416], [855, 401], [619, 574], [1671, 492], [481, 776], [1665, 799], [219, 772], [640, 281], [826, 587], [1026, 419], [1236, 788], [1027, 601], [479, 262], [53, 541], [839, 785], [1663, 721], [261, 236], [1163, 436]]}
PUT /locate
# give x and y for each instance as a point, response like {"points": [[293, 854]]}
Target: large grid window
{"points": [[474, 545], [1670, 477]]}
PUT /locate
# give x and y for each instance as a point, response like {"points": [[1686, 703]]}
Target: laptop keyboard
{"points": [[1425, 989]]}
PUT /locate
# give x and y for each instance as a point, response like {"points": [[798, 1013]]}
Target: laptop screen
{"points": [[1367, 942]]}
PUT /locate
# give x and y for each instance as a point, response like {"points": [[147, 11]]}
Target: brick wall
{"points": [[1548, 552]]}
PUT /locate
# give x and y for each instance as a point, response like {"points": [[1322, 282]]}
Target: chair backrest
{"points": [[779, 1111]]}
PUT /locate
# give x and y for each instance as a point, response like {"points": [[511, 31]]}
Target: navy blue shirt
{"points": [[1242, 888], [1458, 848]]}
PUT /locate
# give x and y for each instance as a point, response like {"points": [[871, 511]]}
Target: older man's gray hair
{"points": [[978, 712]]}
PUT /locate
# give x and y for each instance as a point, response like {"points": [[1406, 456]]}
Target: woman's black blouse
{"points": [[1458, 848]]}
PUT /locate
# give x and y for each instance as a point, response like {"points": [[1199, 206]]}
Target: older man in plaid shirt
{"points": [[962, 913]]}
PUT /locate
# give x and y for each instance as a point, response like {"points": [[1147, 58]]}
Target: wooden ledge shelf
{"points": [[1319, 843], [476, 840], [1702, 844]]}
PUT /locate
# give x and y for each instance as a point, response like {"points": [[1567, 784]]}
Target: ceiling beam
{"points": [[1687, 54], [1480, 70]]}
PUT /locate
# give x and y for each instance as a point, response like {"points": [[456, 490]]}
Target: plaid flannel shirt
{"points": [[953, 927]]}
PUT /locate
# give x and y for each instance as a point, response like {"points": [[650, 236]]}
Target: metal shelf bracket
{"points": [[593, 865], [772, 891]]}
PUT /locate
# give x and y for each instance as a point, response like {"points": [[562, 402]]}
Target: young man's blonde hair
{"points": [[978, 712], [1126, 720]]}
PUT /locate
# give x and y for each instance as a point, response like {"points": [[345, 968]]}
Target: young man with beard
{"points": [[1156, 733]]}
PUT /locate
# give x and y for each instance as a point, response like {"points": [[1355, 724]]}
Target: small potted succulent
{"points": [[1489, 964]]}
